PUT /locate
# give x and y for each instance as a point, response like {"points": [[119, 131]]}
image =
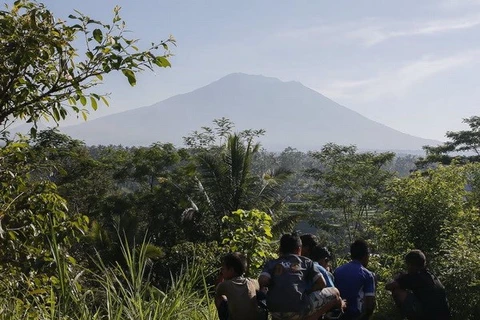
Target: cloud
{"points": [[450, 4], [372, 35], [373, 31], [397, 82]]}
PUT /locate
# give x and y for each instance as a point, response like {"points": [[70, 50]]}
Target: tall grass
{"points": [[118, 291]]}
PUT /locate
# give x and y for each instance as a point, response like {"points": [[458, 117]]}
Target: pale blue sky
{"points": [[412, 65]]}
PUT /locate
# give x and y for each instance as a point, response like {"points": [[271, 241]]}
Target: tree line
{"points": [[111, 231]]}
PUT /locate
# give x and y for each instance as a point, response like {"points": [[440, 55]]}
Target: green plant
{"points": [[111, 292], [44, 76], [249, 232]]}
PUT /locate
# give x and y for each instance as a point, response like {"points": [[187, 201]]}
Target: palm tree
{"points": [[227, 183]]}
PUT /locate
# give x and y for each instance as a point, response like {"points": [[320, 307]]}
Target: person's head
{"points": [[233, 265], [321, 255], [309, 242], [359, 251], [415, 261], [290, 243]]}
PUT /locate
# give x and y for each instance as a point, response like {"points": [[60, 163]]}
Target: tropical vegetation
{"points": [[115, 232]]}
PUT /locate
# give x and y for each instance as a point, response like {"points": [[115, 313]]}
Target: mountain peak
{"points": [[292, 115], [240, 77]]}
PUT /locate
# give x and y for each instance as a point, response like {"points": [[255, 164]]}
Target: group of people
{"points": [[300, 285]]}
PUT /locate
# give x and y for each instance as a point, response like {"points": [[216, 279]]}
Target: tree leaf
{"points": [[56, 115], [130, 76], [97, 35], [162, 62], [105, 101], [83, 100], [94, 103]]}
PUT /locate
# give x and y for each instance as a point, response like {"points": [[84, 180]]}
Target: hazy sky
{"points": [[412, 65]]}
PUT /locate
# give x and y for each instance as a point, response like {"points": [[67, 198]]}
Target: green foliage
{"points": [[351, 184], [218, 135], [81, 180], [385, 267], [147, 164], [459, 265], [30, 211], [422, 205], [203, 255], [42, 75], [436, 211], [226, 181], [249, 232], [112, 292], [465, 143]]}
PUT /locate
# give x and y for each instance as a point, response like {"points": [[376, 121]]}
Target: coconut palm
{"points": [[227, 183]]}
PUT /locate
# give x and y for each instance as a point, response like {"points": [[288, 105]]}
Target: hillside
{"points": [[292, 115]]}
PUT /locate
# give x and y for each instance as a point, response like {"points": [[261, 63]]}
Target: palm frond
{"points": [[287, 222]]}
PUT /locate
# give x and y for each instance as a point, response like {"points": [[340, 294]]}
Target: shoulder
{"points": [[319, 267], [367, 272], [222, 287], [270, 264], [304, 260], [403, 277], [343, 268], [253, 283], [368, 275]]}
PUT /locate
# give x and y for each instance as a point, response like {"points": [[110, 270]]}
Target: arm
{"points": [[219, 300], [368, 307], [319, 284], [220, 294], [337, 302], [263, 281], [265, 278], [316, 277], [369, 297], [392, 285]]}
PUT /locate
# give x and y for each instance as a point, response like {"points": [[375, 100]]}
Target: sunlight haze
{"points": [[410, 65]]}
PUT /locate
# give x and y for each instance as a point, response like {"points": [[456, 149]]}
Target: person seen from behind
{"points": [[287, 278], [321, 257], [309, 245], [356, 283], [235, 296], [418, 293]]}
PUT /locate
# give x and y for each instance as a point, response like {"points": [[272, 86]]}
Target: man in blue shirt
{"points": [[320, 257], [356, 283], [312, 250]]}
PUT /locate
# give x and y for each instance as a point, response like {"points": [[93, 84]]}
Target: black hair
{"points": [[289, 243], [237, 261], [320, 252], [309, 241], [359, 250], [416, 258]]}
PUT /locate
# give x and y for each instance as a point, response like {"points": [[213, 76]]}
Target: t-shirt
{"points": [[429, 291], [354, 283], [325, 274], [289, 276], [241, 297]]}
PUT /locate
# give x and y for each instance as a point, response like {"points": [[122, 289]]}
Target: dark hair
{"points": [[416, 258], [358, 249], [236, 261], [289, 243], [309, 241], [320, 252]]}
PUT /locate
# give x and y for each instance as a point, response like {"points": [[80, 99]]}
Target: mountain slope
{"points": [[292, 114]]}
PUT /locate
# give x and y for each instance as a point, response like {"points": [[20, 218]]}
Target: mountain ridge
{"points": [[292, 115]]}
